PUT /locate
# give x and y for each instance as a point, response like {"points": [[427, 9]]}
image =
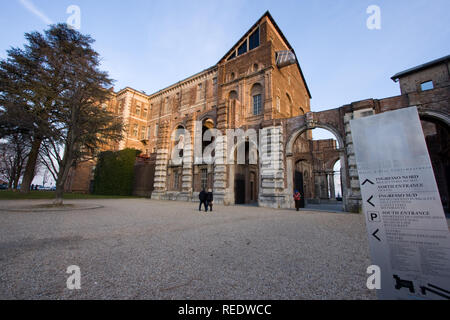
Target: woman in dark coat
{"points": [[209, 199], [297, 199]]}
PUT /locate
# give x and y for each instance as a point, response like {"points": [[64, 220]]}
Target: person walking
{"points": [[209, 199], [297, 199], [202, 198]]}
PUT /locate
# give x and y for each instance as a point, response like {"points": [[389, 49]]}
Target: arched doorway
{"points": [[246, 174], [437, 137], [175, 168], [204, 169], [312, 156]]}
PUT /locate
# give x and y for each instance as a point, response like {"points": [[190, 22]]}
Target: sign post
{"points": [[408, 233]]}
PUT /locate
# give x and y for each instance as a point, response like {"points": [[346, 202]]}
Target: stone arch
{"points": [[253, 146], [304, 128], [340, 148], [436, 115], [437, 137], [233, 95], [178, 138], [245, 177], [332, 162]]}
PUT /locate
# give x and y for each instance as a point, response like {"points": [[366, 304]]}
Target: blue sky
{"points": [[149, 45]]}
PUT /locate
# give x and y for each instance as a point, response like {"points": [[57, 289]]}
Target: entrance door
{"points": [[239, 189], [298, 184]]}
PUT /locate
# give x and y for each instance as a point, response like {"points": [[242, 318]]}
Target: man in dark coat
{"points": [[202, 198], [209, 199]]}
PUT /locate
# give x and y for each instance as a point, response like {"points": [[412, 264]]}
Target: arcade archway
{"points": [[437, 136], [316, 166], [246, 174]]}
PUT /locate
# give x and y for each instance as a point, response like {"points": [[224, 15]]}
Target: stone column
{"points": [[162, 158], [272, 192], [350, 188], [332, 188], [188, 160], [221, 193]]}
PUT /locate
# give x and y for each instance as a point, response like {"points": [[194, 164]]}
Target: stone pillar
{"points": [[351, 188], [162, 159], [272, 191], [188, 160], [221, 193], [332, 188], [323, 185]]}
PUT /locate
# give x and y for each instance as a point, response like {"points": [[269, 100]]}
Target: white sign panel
{"points": [[408, 232]]}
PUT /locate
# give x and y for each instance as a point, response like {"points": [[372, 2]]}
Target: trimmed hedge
{"points": [[114, 173]]}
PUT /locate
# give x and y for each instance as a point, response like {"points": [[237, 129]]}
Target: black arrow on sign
{"points": [[375, 235], [367, 180], [368, 201]]}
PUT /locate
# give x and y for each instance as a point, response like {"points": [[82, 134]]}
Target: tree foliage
{"points": [[114, 173], [53, 89]]}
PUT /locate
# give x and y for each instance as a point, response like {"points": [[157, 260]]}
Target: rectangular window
{"points": [[135, 130], [145, 112], [204, 178], [138, 109], [426, 86], [142, 133], [253, 40], [257, 108], [242, 49], [156, 130], [149, 133]]}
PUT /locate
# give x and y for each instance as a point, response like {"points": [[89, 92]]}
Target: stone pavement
{"points": [[145, 249]]}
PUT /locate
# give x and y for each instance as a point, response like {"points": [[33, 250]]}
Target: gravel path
{"points": [[143, 249]]}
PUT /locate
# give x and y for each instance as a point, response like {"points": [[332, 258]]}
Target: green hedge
{"points": [[114, 173]]}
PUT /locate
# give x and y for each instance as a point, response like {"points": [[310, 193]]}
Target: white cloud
{"points": [[30, 7]]}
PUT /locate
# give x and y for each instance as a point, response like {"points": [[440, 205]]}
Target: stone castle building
{"points": [[259, 84]]}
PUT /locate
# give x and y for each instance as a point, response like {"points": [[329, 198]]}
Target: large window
{"points": [[253, 40], [233, 55], [144, 113], [135, 130], [243, 48], [257, 105], [142, 133]]}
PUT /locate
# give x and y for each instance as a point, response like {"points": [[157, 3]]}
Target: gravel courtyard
{"points": [[145, 249]]}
